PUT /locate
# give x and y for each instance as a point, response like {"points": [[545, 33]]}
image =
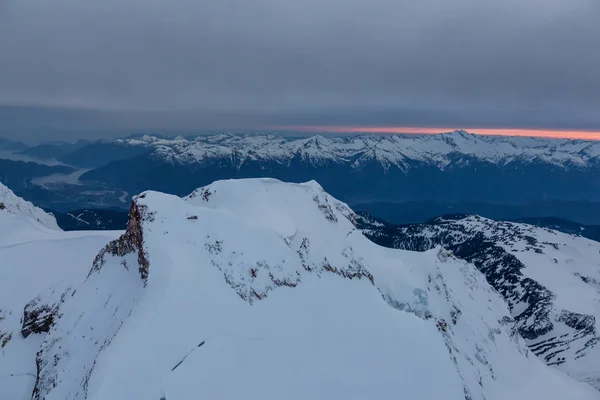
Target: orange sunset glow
{"points": [[546, 133]]}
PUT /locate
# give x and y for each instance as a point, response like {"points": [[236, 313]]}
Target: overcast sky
{"points": [[72, 67]]}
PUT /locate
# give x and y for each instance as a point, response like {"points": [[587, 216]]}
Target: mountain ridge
{"points": [[450, 167], [549, 279], [254, 288], [370, 171], [387, 149]]}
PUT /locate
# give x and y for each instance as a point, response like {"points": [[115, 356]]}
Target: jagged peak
{"points": [[460, 132], [132, 241], [389, 150]]}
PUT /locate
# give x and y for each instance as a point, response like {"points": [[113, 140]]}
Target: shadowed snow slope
{"points": [[38, 264], [262, 289]]}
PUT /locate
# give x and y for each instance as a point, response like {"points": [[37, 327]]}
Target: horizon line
{"points": [[523, 132]]}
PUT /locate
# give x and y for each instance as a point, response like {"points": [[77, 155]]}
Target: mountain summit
{"points": [[262, 289]]}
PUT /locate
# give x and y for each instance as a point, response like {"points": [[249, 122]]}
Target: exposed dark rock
{"points": [[214, 248], [132, 241], [358, 273], [203, 192], [325, 208], [5, 338], [38, 318]]}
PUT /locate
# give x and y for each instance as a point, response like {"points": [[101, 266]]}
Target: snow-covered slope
{"points": [[38, 264], [387, 150], [260, 289], [13, 207], [550, 280]]}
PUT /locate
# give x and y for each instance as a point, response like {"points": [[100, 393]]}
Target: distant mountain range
{"points": [[581, 212], [85, 153], [19, 174], [573, 228], [403, 178], [449, 167], [6, 144], [560, 225], [54, 150]]}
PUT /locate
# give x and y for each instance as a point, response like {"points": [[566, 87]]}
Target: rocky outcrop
{"points": [[38, 318], [132, 241]]}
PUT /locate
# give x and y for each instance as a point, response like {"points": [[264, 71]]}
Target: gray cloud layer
{"points": [[232, 64]]}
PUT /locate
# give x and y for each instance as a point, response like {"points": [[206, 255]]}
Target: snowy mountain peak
{"points": [[459, 133], [460, 137], [388, 150], [16, 207], [271, 286]]}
